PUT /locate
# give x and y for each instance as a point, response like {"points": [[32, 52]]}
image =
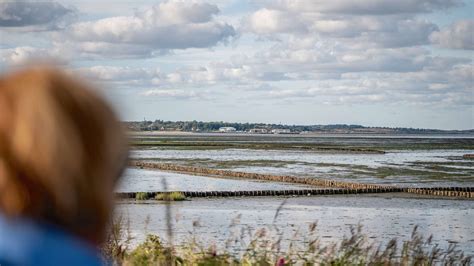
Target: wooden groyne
{"points": [[339, 187], [257, 193], [245, 175], [457, 192]]}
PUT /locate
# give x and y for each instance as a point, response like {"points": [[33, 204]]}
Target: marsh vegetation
{"points": [[263, 246]]}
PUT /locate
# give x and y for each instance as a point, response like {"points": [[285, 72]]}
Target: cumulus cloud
{"points": [[459, 35], [338, 59], [365, 7], [25, 54], [185, 76], [168, 25], [115, 73], [308, 51], [174, 93], [268, 21], [358, 52], [374, 30], [31, 13], [416, 88]]}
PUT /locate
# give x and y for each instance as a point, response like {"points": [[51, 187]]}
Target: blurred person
{"points": [[62, 150]]}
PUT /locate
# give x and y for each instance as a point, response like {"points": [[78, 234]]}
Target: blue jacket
{"points": [[24, 242]]}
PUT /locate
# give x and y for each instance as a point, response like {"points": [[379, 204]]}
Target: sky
{"points": [[405, 63]]}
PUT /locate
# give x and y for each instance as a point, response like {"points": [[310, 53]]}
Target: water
{"points": [[407, 167], [383, 218], [370, 160], [141, 180]]}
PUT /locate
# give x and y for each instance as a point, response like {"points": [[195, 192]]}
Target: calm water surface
{"points": [[383, 218], [142, 180]]}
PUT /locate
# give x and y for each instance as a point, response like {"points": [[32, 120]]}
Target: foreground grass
{"points": [[264, 249]]}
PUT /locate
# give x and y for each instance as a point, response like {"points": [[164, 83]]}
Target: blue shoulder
{"points": [[24, 242]]}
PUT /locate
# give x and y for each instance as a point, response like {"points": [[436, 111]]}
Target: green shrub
{"points": [[142, 196], [147, 253], [170, 196]]}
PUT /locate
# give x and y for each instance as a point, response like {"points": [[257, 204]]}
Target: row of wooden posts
{"points": [[339, 187]]}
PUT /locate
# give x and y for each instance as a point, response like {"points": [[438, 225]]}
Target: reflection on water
{"points": [[383, 218]]}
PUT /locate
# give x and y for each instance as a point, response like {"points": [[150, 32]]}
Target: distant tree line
{"points": [[199, 126]]}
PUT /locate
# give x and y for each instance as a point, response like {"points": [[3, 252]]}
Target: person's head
{"points": [[62, 150]]}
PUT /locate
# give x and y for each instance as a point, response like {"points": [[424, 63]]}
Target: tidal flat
{"points": [[325, 142], [401, 167], [407, 161], [142, 180], [383, 217]]}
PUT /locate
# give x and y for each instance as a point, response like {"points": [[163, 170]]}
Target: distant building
{"points": [[281, 131], [258, 131], [227, 129]]}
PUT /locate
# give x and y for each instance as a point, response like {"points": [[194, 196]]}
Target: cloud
{"points": [[207, 75], [175, 93], [404, 75], [168, 25], [458, 35], [30, 13], [268, 21], [417, 88], [365, 7], [340, 59], [398, 33], [366, 52], [115, 73], [393, 30], [25, 54]]}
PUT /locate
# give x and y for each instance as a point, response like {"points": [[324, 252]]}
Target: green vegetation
{"points": [[142, 196], [170, 196], [257, 146], [214, 126], [265, 249], [199, 126], [338, 144], [167, 196]]}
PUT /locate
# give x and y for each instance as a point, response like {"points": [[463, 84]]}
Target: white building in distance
{"points": [[227, 129], [281, 131], [258, 131]]}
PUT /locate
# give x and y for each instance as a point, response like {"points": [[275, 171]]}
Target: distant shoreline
{"points": [[184, 127], [311, 134]]}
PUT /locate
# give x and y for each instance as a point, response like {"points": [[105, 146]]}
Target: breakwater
{"points": [[245, 175], [338, 187], [457, 192], [256, 193]]}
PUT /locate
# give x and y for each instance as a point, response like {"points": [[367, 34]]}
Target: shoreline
{"points": [[303, 135]]}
